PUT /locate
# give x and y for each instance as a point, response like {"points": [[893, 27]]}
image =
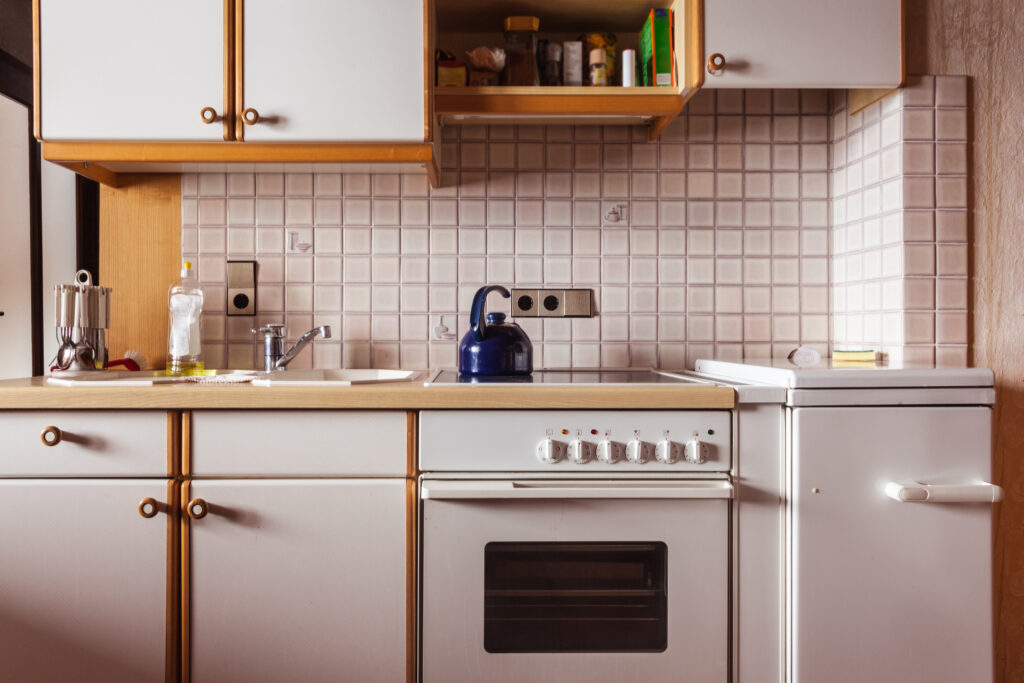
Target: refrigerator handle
{"points": [[913, 492]]}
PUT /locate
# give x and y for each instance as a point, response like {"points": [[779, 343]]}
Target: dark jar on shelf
{"points": [[521, 51]]}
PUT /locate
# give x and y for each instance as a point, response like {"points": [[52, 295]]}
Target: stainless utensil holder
{"points": [[82, 317]]}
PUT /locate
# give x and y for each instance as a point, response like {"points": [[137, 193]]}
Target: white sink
{"points": [[334, 378]]}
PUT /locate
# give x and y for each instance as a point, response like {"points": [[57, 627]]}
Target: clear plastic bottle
{"points": [[185, 315]]}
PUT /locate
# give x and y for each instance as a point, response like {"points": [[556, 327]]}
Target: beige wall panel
{"points": [[140, 248], [982, 39]]}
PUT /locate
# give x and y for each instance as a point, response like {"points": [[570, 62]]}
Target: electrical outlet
{"points": [[552, 303], [241, 289]]}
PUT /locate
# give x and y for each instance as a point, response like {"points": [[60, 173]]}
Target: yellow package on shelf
{"points": [[845, 356]]}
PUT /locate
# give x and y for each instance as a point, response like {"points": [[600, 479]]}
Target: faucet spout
{"points": [[324, 331]]}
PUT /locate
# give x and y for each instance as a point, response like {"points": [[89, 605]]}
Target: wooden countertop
{"points": [[34, 394]]}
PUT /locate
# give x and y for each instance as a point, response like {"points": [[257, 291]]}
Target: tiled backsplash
{"points": [[722, 248], [899, 188]]}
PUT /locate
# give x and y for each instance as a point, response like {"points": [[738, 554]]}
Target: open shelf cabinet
{"points": [[462, 24]]}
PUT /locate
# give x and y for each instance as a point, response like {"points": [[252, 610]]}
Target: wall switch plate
{"points": [[553, 303], [241, 288]]}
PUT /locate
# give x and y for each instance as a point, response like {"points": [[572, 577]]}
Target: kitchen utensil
{"points": [[492, 346]]}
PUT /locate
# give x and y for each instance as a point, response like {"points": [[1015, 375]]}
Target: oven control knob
{"points": [[609, 452], [549, 451], [579, 452], [638, 452], [667, 452], [696, 452]]}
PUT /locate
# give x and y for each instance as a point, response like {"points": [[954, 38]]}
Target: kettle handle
{"points": [[476, 316]]}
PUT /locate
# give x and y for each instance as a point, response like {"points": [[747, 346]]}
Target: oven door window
{"points": [[575, 597]]}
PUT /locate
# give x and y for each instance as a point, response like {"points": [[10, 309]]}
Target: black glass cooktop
{"points": [[564, 377]]}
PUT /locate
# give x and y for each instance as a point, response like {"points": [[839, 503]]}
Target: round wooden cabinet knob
{"points": [[196, 508], [716, 62], [51, 436], [250, 116], [209, 115], [148, 507]]}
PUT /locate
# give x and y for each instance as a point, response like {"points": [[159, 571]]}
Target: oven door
{"points": [[547, 580]]}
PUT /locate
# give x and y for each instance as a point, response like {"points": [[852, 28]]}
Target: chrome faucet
{"points": [[274, 355]]}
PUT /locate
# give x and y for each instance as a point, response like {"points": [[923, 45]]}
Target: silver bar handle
{"points": [[914, 492], [533, 490]]}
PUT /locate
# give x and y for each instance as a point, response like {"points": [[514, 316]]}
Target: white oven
{"points": [[546, 568]]}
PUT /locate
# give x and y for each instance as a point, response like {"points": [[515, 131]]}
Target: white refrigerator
{"points": [[888, 520]]}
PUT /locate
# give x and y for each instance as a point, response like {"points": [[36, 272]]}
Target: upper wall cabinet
{"points": [[803, 44], [323, 70], [147, 86], [130, 70]]}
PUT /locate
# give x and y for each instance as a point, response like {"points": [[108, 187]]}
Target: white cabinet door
{"points": [[15, 257], [334, 71], [83, 581], [130, 69], [299, 580], [885, 591], [804, 43]]}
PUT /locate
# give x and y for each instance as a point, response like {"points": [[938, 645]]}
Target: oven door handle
{"points": [[540, 489]]}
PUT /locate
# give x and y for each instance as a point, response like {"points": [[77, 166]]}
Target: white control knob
{"points": [[549, 451], [579, 452], [608, 452], [637, 452], [696, 451], [667, 452]]}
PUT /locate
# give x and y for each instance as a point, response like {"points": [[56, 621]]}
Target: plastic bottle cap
{"points": [[187, 264], [598, 56]]}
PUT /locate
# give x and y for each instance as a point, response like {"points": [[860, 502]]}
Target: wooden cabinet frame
{"points": [[103, 161]]}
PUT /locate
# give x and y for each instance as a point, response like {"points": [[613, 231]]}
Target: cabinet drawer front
{"points": [[90, 443], [295, 443]]}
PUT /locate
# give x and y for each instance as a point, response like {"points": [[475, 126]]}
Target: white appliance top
{"points": [[827, 375]]}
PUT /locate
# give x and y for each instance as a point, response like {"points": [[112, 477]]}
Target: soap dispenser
{"points": [[185, 310]]}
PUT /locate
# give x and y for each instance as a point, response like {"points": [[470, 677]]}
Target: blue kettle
{"points": [[494, 347]]}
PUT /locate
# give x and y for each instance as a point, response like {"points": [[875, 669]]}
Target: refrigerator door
{"points": [[884, 590]]}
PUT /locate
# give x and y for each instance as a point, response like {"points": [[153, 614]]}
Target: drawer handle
{"points": [[250, 116], [196, 508], [148, 507], [51, 436], [716, 62], [209, 115]]}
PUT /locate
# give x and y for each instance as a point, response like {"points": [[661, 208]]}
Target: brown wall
{"points": [[985, 40]]}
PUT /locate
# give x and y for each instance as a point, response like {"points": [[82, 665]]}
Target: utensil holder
{"points": [[82, 317]]}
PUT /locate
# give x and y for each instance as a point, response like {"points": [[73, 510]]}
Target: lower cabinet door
{"points": [[83, 581], [888, 591], [298, 580]]}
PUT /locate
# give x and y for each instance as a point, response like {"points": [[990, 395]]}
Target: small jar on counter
{"points": [[598, 67], [521, 51]]}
